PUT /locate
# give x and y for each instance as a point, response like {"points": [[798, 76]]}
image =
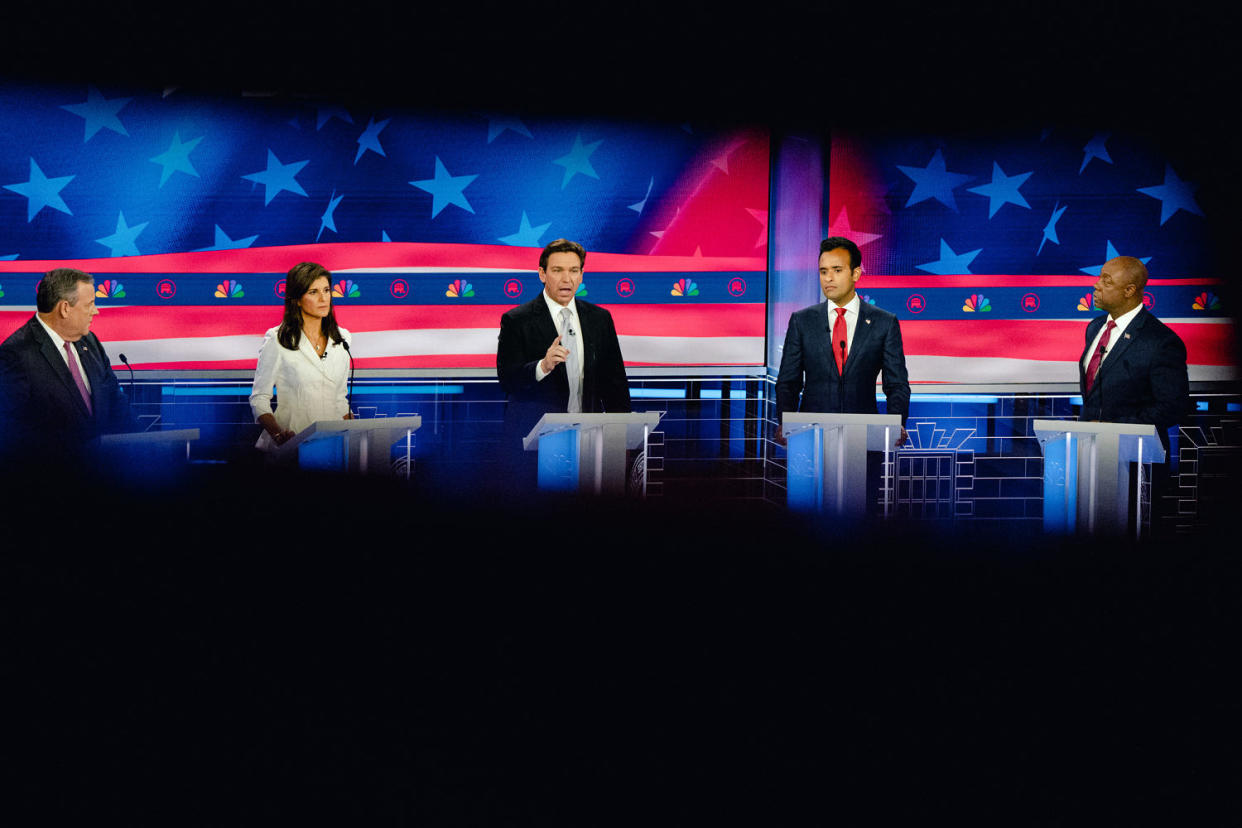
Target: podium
{"points": [[146, 456], [356, 446], [586, 452], [827, 459], [1087, 474]]}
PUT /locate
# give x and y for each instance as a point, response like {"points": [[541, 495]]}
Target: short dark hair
{"points": [[842, 243], [60, 284], [562, 246]]}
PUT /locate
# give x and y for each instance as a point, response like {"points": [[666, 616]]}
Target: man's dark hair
{"points": [[59, 284], [561, 246], [842, 243]]}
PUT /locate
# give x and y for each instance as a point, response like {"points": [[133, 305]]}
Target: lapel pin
{"points": [[868, 321], [1127, 336]]}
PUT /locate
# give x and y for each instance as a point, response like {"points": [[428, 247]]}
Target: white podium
{"points": [[827, 459], [358, 446], [586, 452], [1087, 474]]}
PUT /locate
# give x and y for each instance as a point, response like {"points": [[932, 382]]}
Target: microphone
{"points": [[349, 395], [131, 372]]}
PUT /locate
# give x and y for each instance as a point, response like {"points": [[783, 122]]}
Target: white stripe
{"points": [[443, 341], [668, 349], [692, 349], [187, 349], [1005, 370]]}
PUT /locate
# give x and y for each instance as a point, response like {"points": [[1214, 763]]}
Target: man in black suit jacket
{"points": [[872, 339], [57, 388], [554, 340], [1140, 373]]}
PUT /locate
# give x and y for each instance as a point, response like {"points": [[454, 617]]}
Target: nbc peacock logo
{"points": [[110, 289], [977, 303], [1, 291], [1204, 301], [867, 299], [684, 287], [459, 288], [346, 289], [581, 291], [1087, 302], [229, 289]]}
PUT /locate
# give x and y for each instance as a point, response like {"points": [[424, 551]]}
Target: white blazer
{"points": [[307, 388]]}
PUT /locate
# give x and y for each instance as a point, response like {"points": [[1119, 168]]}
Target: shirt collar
{"points": [[850, 306], [57, 339], [1126, 318], [555, 308]]}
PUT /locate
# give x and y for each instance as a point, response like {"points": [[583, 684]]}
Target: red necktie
{"points": [[838, 340], [1093, 366], [77, 377]]}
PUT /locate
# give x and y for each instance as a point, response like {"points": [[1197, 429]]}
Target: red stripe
{"points": [[970, 280], [1206, 343], [381, 254]]}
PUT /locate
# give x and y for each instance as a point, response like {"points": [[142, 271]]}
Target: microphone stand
{"points": [[349, 394]]}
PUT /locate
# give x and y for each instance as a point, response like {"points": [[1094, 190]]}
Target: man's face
{"points": [[561, 277], [1113, 290], [77, 322], [836, 278]]}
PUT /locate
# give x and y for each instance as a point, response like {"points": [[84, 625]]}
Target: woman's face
{"points": [[317, 300]]}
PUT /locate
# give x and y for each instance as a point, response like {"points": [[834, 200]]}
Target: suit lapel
{"points": [[307, 351], [1122, 343], [1093, 327], [862, 334], [545, 325], [59, 367]]}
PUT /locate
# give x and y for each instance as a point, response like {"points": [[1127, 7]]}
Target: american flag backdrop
{"points": [[987, 246], [189, 210]]}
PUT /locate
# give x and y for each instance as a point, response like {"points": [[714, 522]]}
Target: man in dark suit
{"points": [[1133, 367], [841, 345], [57, 388], [557, 353]]}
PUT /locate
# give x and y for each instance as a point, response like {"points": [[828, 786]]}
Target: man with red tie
{"points": [[57, 388], [1133, 367], [835, 350]]}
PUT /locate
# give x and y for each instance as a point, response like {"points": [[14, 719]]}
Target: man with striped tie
{"points": [[57, 388]]}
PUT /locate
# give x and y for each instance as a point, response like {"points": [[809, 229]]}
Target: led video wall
{"points": [[987, 246], [189, 210]]}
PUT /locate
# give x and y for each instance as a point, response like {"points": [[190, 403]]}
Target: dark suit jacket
{"points": [[525, 334], [1142, 380], [808, 351], [40, 406]]}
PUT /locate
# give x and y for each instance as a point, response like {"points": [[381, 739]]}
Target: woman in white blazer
{"points": [[305, 358]]}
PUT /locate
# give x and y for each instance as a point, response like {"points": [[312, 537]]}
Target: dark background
{"points": [[237, 649]]}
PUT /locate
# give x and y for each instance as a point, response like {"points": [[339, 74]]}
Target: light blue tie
{"points": [[573, 363]]}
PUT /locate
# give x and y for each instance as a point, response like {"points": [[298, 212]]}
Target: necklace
{"points": [[320, 343]]}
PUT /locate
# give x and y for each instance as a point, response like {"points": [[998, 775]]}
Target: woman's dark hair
{"points": [[299, 279]]}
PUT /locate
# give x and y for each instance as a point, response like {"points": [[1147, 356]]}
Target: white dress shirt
{"points": [[1122, 322], [60, 346], [555, 309], [308, 388]]}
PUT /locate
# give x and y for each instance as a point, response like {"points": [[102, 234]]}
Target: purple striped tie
{"points": [[77, 377]]}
